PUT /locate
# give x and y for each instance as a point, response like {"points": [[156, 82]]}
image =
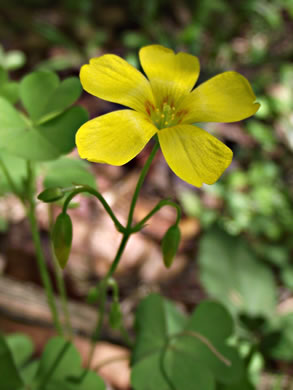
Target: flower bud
{"points": [[62, 238], [170, 245], [115, 315], [51, 194]]}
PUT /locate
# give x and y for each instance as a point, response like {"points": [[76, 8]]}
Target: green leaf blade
{"points": [[231, 272], [35, 91], [10, 377], [62, 97]]}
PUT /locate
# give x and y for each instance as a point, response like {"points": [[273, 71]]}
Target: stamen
{"points": [[165, 114]]}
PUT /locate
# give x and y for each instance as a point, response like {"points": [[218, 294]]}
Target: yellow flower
{"points": [[164, 104]]}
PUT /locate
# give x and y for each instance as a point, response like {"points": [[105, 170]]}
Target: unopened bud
{"points": [[170, 245], [51, 194], [62, 238]]}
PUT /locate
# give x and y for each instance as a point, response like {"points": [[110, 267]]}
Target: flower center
{"points": [[165, 115]]}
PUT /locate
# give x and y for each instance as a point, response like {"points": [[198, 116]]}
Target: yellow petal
{"points": [[111, 78], [193, 154], [227, 97], [114, 138], [171, 75]]}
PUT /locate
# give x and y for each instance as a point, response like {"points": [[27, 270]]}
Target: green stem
{"points": [[126, 234], [118, 256], [140, 182], [161, 204], [60, 281], [99, 196], [39, 252], [162, 365], [102, 298], [126, 337]]}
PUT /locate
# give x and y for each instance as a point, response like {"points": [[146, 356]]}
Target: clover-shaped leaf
{"points": [[231, 272], [67, 171], [46, 141], [44, 96], [179, 352]]}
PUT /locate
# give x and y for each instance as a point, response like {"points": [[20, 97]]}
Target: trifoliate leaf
{"points": [[42, 142], [179, 352], [44, 96]]}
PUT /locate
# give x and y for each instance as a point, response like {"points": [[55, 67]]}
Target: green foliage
{"points": [[10, 377], [42, 142], [287, 276], [63, 357], [8, 89], [63, 352], [44, 96], [231, 272], [66, 171], [21, 348], [50, 129], [62, 238], [181, 351], [18, 167], [255, 200], [59, 366]]}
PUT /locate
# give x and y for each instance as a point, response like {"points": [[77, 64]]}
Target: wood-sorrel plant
{"points": [[171, 351]]}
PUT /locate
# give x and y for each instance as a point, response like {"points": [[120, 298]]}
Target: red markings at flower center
{"points": [[165, 115]]}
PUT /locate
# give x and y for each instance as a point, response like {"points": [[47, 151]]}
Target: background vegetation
{"points": [[238, 248]]}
